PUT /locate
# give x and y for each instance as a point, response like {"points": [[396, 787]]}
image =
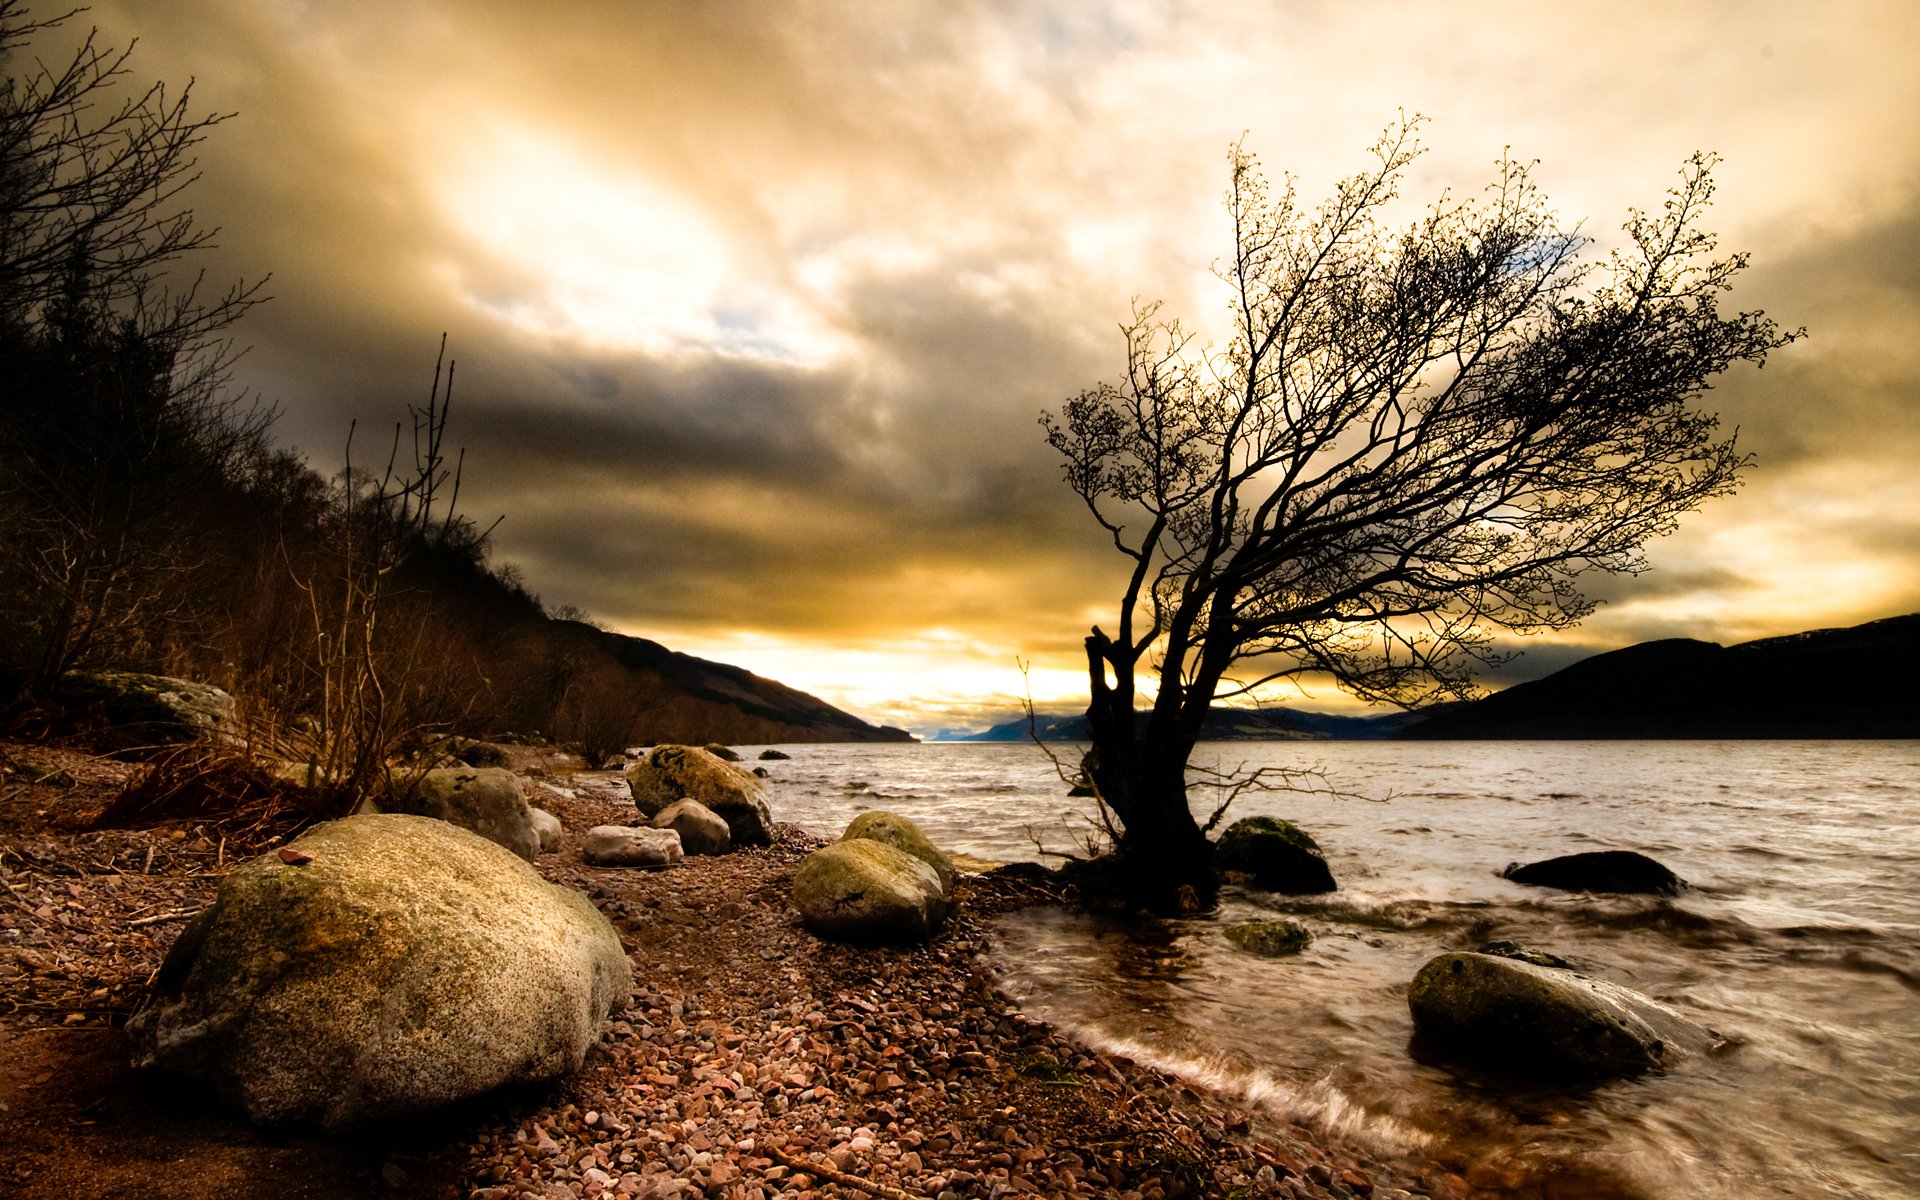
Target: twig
{"points": [[801, 1163], [184, 914]]}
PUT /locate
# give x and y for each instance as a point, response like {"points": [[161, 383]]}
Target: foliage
{"points": [[1416, 438], [116, 422]]}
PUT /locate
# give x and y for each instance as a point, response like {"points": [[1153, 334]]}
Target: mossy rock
{"points": [[1270, 939], [1275, 856], [901, 833], [868, 893], [377, 966], [671, 773]]}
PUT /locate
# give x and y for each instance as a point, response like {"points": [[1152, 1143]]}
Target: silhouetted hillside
{"points": [[668, 696], [1223, 724], [1827, 683]]}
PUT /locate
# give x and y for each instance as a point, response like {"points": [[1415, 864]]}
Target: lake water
{"points": [[1800, 940]]}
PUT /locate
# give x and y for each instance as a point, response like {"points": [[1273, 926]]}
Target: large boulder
{"points": [[150, 709], [1599, 871], [1275, 856], [897, 831], [673, 773], [380, 965], [868, 892], [1518, 1016], [487, 800], [701, 830], [631, 846]]}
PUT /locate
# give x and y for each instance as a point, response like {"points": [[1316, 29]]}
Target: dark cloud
{"points": [[755, 307]]}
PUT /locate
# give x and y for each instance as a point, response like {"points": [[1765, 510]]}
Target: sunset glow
{"points": [[756, 309]]}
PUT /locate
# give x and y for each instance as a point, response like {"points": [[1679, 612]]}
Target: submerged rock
{"points": [[901, 833], [723, 753], [868, 892], [771, 755], [1275, 856], [1599, 871], [1269, 939], [1512, 1015], [701, 830], [1523, 953], [487, 800], [389, 964], [673, 773], [631, 846]]}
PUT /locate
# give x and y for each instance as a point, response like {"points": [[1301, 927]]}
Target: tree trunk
{"points": [[1139, 769]]}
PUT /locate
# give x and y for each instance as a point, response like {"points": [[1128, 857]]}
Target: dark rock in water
{"points": [[774, 756], [1514, 1016], [721, 752], [1599, 871], [1080, 791], [1525, 954], [1275, 856], [1270, 939]]}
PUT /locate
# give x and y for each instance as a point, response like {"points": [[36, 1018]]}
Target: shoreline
{"points": [[751, 1060]]}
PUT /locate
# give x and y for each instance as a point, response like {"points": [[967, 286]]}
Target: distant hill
{"points": [[1827, 683], [1223, 724], [673, 697]]}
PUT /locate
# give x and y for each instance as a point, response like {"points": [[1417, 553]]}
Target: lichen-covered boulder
{"points": [[897, 831], [547, 828], [1516, 1016], [671, 773], [1269, 939], [487, 800], [701, 830], [379, 965], [1600, 871], [1275, 856], [631, 846], [150, 709], [869, 893]]}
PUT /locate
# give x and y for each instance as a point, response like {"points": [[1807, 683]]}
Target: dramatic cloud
{"points": [[755, 306]]}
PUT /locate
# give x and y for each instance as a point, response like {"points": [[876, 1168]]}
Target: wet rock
{"points": [[402, 964], [547, 828], [671, 773], [631, 846], [1515, 1016], [701, 830], [487, 800], [869, 893], [774, 756], [723, 753], [1269, 939], [1275, 856], [878, 825], [1524, 953], [1599, 871]]}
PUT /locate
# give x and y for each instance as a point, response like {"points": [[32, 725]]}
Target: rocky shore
{"points": [[752, 1060]]}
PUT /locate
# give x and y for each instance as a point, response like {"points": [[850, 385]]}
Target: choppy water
{"points": [[1800, 940]]}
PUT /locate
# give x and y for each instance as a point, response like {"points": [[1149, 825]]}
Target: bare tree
{"points": [[1417, 437], [116, 409]]}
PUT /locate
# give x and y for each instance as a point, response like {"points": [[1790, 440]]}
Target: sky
{"points": [[756, 306]]}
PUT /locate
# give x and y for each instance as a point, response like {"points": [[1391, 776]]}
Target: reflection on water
{"points": [[1800, 940]]}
